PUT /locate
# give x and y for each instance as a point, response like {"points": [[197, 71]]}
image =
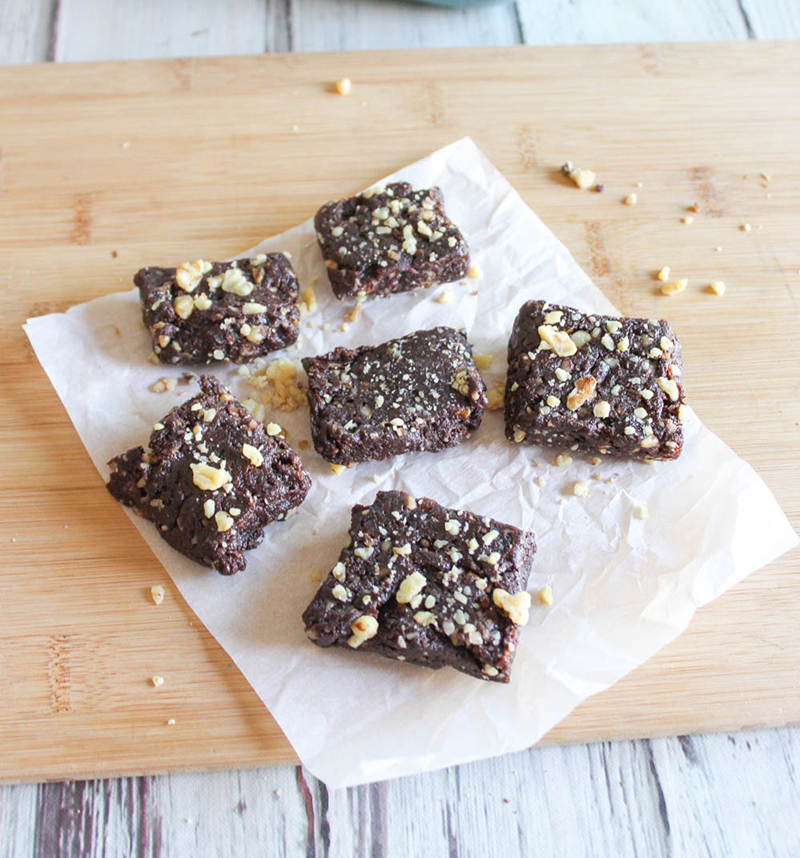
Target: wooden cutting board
{"points": [[104, 168]]}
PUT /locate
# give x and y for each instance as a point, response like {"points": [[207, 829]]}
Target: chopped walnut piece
{"points": [[496, 396], [581, 488], [208, 478], [670, 387], [674, 287], [163, 385], [559, 342], [410, 586], [282, 389], [308, 301], [602, 409], [157, 594], [353, 314], [583, 391], [364, 628], [517, 607], [663, 274], [253, 454], [189, 274], [343, 86], [223, 520], [581, 176]]}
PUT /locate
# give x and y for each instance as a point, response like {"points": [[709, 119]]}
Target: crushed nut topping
{"points": [[559, 342], [517, 607], [255, 456], [670, 387], [663, 274], [583, 391], [364, 628], [157, 594], [207, 477], [189, 274], [563, 461], [546, 595], [223, 520]]}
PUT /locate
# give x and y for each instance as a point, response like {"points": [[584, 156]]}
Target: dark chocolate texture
{"points": [[420, 392], [211, 479], [604, 384], [425, 584], [394, 240], [204, 311]]}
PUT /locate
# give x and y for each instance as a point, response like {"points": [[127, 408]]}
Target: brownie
{"points": [[393, 240], [420, 392], [210, 311], [421, 583], [597, 383], [212, 478]]}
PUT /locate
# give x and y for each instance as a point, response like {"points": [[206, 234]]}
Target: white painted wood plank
{"points": [[144, 29], [546, 22], [332, 25], [731, 795], [24, 30], [773, 19]]}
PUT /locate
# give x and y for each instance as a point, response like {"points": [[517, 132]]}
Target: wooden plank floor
{"points": [[709, 795]]}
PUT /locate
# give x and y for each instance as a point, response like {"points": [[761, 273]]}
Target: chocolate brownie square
{"points": [[429, 585], [604, 384], [211, 311], [212, 478], [393, 240], [420, 392]]}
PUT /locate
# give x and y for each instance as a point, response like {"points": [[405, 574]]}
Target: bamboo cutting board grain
{"points": [[104, 168]]}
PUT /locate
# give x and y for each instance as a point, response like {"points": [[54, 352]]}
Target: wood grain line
{"points": [[58, 673]]}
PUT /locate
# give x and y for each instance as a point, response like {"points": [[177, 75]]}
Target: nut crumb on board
{"points": [[157, 681], [157, 594], [718, 287], [687, 220], [343, 86], [630, 200], [476, 272], [546, 595], [663, 274], [445, 297], [674, 286], [170, 722], [581, 176], [745, 227]]}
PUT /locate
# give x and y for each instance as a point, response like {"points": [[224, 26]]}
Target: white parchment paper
{"points": [[623, 587]]}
